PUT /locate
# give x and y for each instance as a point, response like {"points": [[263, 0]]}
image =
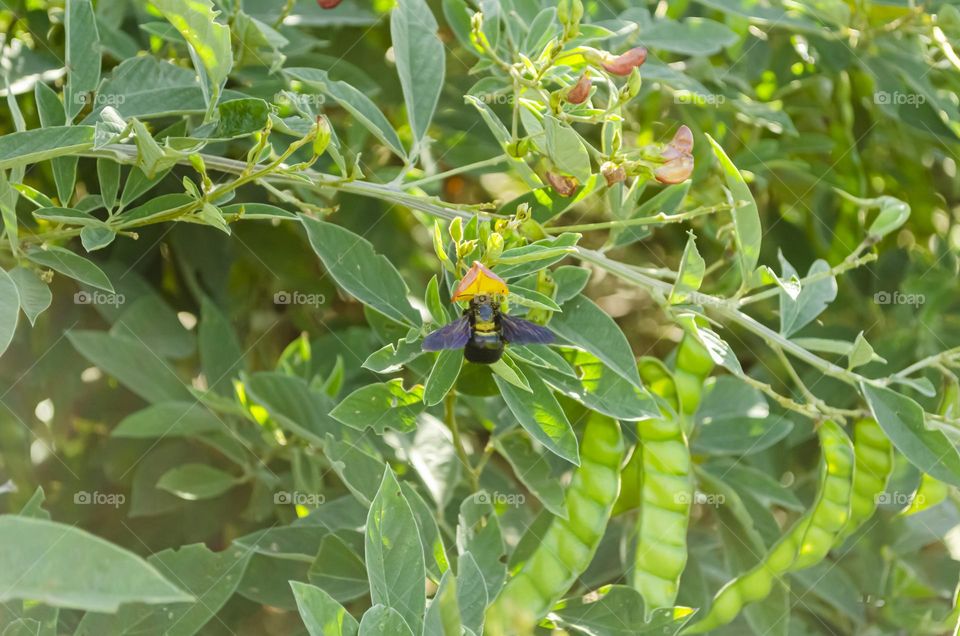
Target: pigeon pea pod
{"points": [[569, 544], [805, 544], [666, 494], [874, 464]]}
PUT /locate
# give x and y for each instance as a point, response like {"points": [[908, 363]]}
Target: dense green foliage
{"points": [[229, 224]]}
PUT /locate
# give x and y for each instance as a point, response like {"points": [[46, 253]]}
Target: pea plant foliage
{"points": [[466, 317]]}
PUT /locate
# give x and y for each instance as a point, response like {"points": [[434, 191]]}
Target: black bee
{"points": [[483, 330]]}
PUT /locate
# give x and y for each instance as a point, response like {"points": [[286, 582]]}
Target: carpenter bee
{"points": [[484, 329]]}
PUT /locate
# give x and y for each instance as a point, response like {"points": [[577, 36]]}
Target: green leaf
{"points": [[618, 610], [69, 216], [442, 376], [169, 419], [810, 302], [73, 265], [108, 176], [34, 294], [96, 237], [596, 386], [321, 614], [293, 404], [533, 470], [861, 353], [212, 577], [382, 406], [394, 554], [357, 465], [690, 275], [339, 570], [693, 36], [520, 261], [443, 614], [391, 358], [209, 40], [902, 420], [241, 117], [589, 327], [436, 307], [472, 596], [379, 620], [746, 217], [353, 263], [9, 309], [151, 321], [354, 102], [132, 363], [734, 418], [83, 55], [420, 61], [145, 87], [64, 566], [32, 146], [221, 356], [893, 214], [540, 414], [196, 481], [508, 370], [566, 150]]}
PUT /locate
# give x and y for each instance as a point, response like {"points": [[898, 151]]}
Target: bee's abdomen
{"points": [[484, 347]]}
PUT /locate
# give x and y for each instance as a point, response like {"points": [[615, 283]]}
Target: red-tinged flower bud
{"points": [[680, 146], [613, 173], [675, 171], [580, 91], [623, 64], [562, 185], [328, 4]]}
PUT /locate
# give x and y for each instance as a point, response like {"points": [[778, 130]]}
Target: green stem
{"points": [[450, 415], [656, 219], [449, 173]]}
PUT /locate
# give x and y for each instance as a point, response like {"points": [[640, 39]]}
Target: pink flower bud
{"points": [[680, 146], [328, 4], [580, 91], [675, 171], [623, 64]]}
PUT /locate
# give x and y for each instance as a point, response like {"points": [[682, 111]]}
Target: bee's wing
{"points": [[452, 336], [519, 331]]}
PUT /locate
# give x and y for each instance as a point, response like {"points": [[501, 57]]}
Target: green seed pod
{"points": [[569, 544], [806, 543], [873, 454]]}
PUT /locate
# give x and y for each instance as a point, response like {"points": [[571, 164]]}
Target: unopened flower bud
{"points": [[328, 4], [623, 64], [494, 248], [322, 137], [675, 171]]}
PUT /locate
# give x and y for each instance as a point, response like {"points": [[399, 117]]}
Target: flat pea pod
{"points": [[805, 543], [874, 464], [569, 544], [666, 494]]}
